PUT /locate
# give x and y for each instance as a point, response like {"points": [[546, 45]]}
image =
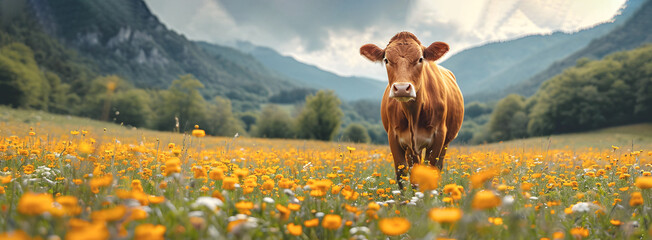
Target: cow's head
{"points": [[404, 57]]}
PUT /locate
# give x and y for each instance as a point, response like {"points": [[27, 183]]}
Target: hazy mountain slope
{"points": [[124, 38], [475, 65], [494, 66], [632, 34], [347, 88]]}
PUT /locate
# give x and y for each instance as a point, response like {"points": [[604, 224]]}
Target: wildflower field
{"points": [[64, 181]]}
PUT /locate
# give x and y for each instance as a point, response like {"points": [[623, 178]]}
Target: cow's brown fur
{"points": [[429, 122]]}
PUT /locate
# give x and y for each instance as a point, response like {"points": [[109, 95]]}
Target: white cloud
{"points": [[329, 35]]}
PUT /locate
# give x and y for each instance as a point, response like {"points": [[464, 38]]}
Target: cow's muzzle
{"points": [[403, 92]]}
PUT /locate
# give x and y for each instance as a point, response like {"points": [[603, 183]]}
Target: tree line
{"points": [[593, 94], [24, 84]]}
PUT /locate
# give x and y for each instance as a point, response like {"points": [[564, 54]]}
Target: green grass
{"points": [[623, 136], [638, 135]]}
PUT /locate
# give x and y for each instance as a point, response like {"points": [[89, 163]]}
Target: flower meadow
{"points": [[97, 183]]}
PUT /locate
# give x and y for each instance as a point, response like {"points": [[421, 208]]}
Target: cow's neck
{"points": [[412, 110]]}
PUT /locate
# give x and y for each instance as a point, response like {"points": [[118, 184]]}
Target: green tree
{"points": [[273, 122], [377, 133], [60, 96], [182, 102], [248, 119], [508, 119], [320, 117], [131, 107], [97, 102], [26, 86], [369, 110], [475, 109], [467, 131], [222, 122], [355, 132]]}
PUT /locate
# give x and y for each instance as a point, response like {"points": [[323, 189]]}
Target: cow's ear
{"points": [[372, 52], [435, 51]]}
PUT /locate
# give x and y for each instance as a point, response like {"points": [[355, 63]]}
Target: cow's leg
{"points": [[411, 157], [437, 148], [400, 165], [440, 163]]}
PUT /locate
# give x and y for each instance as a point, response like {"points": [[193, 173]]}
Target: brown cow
{"points": [[422, 107]]}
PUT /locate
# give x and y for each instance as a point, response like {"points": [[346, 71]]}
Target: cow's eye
{"points": [[386, 61], [421, 60]]}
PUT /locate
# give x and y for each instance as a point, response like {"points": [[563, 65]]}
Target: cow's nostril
{"points": [[408, 87], [395, 89]]}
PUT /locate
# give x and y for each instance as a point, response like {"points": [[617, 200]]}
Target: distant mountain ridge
{"points": [[490, 68], [348, 88], [631, 34], [123, 37]]}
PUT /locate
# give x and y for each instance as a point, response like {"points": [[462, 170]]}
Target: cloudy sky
{"points": [[328, 34]]}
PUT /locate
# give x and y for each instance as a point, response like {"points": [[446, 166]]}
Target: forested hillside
{"points": [[616, 90], [114, 61], [124, 38]]}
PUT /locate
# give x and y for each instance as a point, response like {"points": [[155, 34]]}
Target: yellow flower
{"points": [[643, 182], [445, 215], [15, 235], [149, 232], [85, 148], [294, 206], [268, 185], [426, 177], [230, 227], [311, 223], [284, 211], [136, 214], [216, 174], [198, 133], [218, 195], [478, 179], [229, 183], [112, 214], [102, 181], [241, 172], [615, 222], [496, 221], [5, 179], [636, 199], [332, 221], [579, 232], [485, 199], [172, 165], [558, 235], [35, 203], [294, 229], [244, 207], [82, 230], [155, 199], [394, 226], [69, 204]]}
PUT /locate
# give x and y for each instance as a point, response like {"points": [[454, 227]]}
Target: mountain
{"points": [[632, 34], [494, 66], [347, 88], [123, 37]]}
